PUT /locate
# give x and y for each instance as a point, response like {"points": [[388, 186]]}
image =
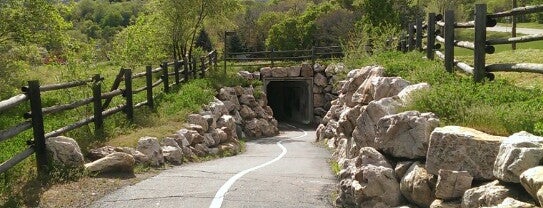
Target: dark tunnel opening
{"points": [[290, 101]]}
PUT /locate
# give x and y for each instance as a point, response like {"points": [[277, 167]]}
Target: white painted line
{"points": [[219, 196]]}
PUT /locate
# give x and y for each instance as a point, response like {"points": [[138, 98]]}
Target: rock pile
{"points": [[390, 158], [215, 130]]}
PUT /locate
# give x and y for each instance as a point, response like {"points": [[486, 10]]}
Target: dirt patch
{"points": [[83, 192]]}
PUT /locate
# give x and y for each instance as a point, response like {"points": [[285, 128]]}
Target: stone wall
{"points": [[390, 158], [215, 130]]}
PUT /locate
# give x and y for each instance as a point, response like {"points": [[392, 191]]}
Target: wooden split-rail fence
{"points": [[182, 71], [440, 30], [272, 56]]}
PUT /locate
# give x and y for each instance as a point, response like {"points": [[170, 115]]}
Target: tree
{"points": [[203, 41], [297, 32], [333, 27], [172, 26]]}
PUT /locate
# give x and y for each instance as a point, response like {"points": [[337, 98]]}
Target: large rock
{"points": [[318, 100], [518, 153], [173, 155], [320, 80], [262, 113], [245, 75], [139, 157], [369, 181], [438, 203], [199, 120], [97, 153], [306, 70], [401, 168], [405, 134], [228, 122], [358, 78], [199, 129], [333, 69], [219, 136], [248, 99], [267, 128], [218, 108], [211, 121], [532, 180], [180, 138], [490, 194], [266, 72], [279, 72], [252, 128], [378, 87], [168, 141], [247, 113], [462, 149], [417, 186], [150, 147], [294, 71], [407, 93], [347, 120], [64, 152], [192, 136], [114, 162], [366, 124], [318, 67], [452, 184], [510, 202], [188, 153]]}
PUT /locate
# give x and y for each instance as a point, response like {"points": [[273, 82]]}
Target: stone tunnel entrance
{"points": [[290, 98]]}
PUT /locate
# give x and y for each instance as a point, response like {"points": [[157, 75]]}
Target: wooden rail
{"points": [[480, 44], [272, 56], [33, 93]]}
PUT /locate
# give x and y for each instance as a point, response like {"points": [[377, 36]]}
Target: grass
{"points": [[500, 107], [167, 117]]}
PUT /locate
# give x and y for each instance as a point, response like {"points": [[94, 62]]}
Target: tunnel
{"points": [[291, 100]]}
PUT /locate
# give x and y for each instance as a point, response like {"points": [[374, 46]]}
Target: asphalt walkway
{"points": [[283, 171]]}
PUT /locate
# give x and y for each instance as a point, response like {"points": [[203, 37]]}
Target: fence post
{"points": [[271, 56], [431, 36], [203, 66], [449, 40], [149, 83], [514, 26], [97, 104], [165, 77], [186, 68], [128, 94], [176, 66], [411, 38], [479, 53], [37, 126], [419, 34]]}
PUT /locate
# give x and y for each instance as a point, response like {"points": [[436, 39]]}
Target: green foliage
{"points": [[297, 32], [203, 41], [378, 12], [141, 43]]}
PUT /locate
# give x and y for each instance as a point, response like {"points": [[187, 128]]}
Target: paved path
{"points": [[291, 173], [527, 31]]}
